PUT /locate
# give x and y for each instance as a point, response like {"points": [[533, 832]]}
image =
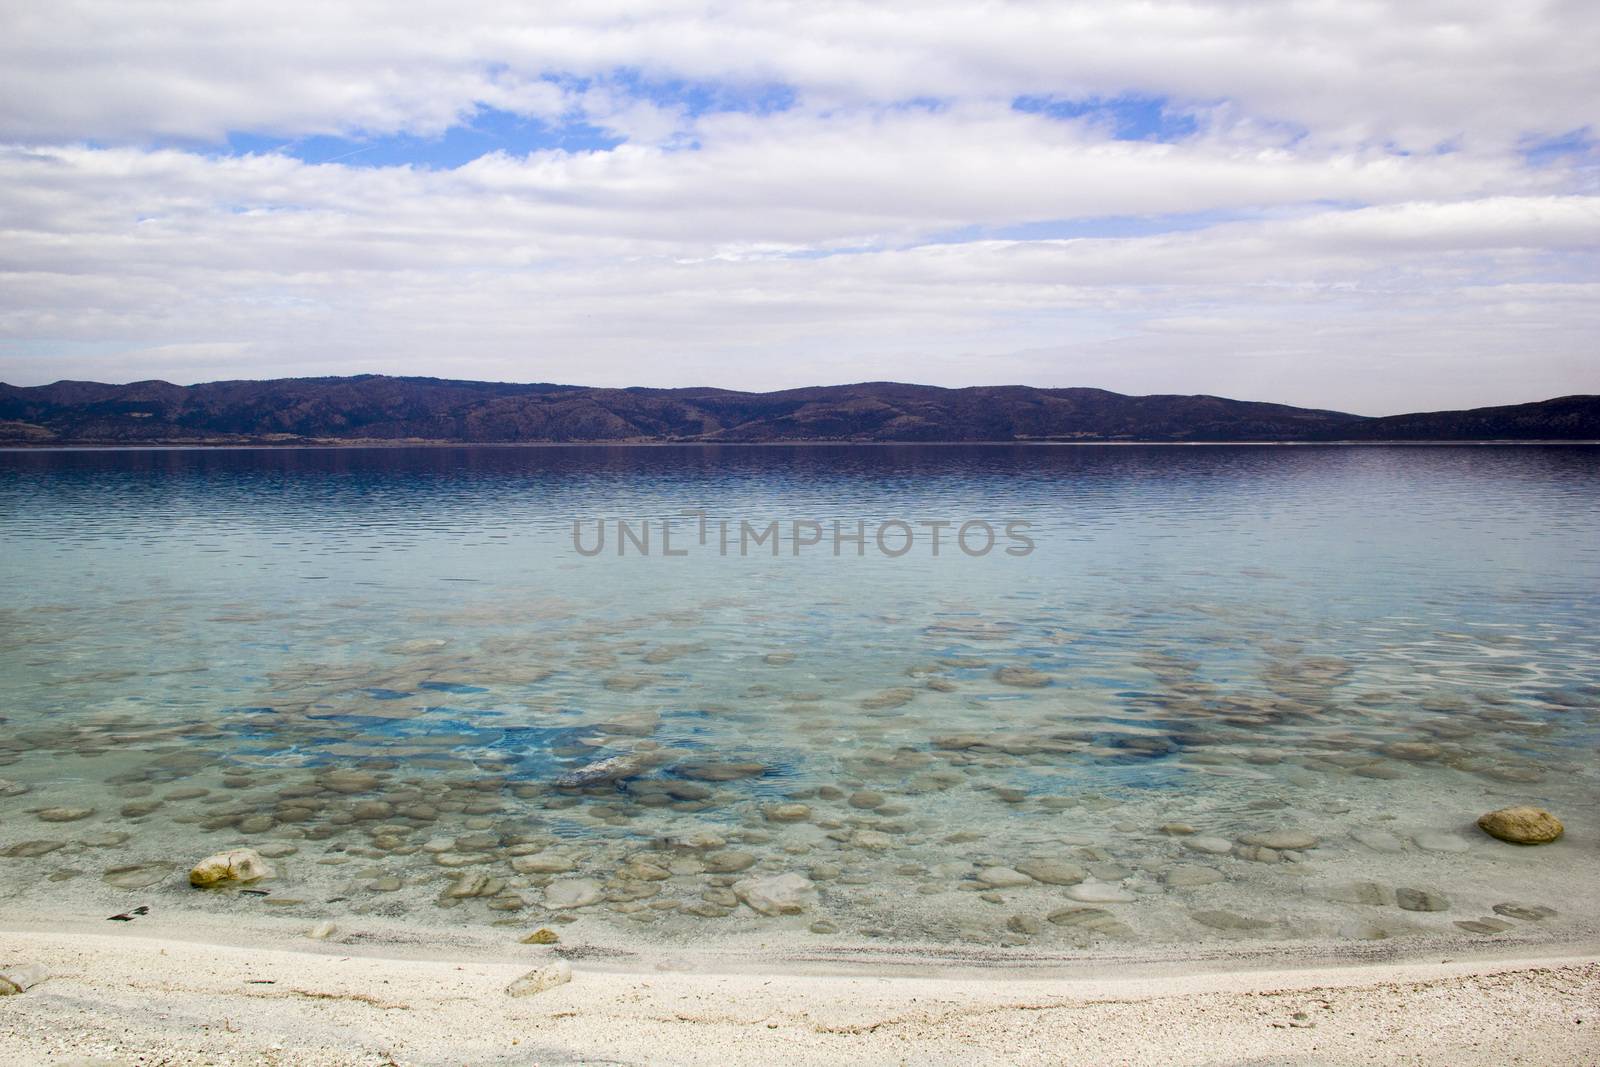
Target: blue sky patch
{"points": [[1132, 118], [1570, 147], [489, 130], [493, 130]]}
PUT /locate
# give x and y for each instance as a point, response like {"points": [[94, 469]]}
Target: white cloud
{"points": [[1416, 73], [1308, 241]]}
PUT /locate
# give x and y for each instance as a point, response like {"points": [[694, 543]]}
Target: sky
{"points": [[1374, 207]]}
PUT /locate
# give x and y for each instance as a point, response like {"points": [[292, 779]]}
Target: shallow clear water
{"points": [[386, 659]]}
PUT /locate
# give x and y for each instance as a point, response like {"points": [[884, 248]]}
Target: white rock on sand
{"points": [[20, 977], [541, 978]]}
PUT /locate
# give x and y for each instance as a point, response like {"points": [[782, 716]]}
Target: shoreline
{"points": [[142, 995]]}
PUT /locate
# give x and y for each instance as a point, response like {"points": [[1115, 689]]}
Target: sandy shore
{"points": [[132, 996]]}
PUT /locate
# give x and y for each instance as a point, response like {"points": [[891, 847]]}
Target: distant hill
{"points": [[1566, 418], [387, 409]]}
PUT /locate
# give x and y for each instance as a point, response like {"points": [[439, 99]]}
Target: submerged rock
{"points": [[542, 936], [472, 884], [1525, 912], [1379, 840], [1003, 877], [64, 814], [1521, 825], [572, 893], [1099, 893], [1439, 842], [543, 863], [1211, 846], [787, 813], [1369, 893], [1188, 876], [1096, 920], [889, 699], [1282, 840], [1227, 920], [1024, 924], [780, 894], [1053, 872], [1420, 900], [615, 769], [1022, 677], [540, 979], [235, 865], [1257, 853], [141, 876], [728, 862]]}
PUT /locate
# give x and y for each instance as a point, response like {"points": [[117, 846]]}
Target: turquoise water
{"points": [[377, 665]]}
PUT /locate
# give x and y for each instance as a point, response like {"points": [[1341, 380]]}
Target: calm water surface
{"points": [[377, 666]]}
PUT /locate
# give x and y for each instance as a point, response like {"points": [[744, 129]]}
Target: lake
{"points": [[1141, 698]]}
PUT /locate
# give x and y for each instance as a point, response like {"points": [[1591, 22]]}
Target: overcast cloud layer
{"points": [[1363, 206]]}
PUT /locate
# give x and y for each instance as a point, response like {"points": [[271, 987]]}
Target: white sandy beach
{"points": [[150, 995]]}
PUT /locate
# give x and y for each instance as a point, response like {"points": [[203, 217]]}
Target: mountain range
{"points": [[384, 409]]}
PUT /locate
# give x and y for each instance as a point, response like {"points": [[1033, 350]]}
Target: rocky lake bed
{"points": [[410, 707]]}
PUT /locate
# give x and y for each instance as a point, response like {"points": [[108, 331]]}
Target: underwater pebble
{"points": [[1002, 877], [781, 894], [1094, 893], [1420, 900], [1379, 840], [1441, 842], [140, 876], [1053, 872], [1369, 893], [1281, 840], [1189, 876], [63, 814], [1213, 846], [571, 893], [1227, 920]]}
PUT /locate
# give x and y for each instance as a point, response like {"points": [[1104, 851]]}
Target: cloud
{"points": [[1416, 74], [1342, 205]]}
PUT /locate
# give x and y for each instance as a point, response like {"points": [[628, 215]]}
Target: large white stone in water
{"points": [[572, 893], [779, 894], [235, 865]]}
